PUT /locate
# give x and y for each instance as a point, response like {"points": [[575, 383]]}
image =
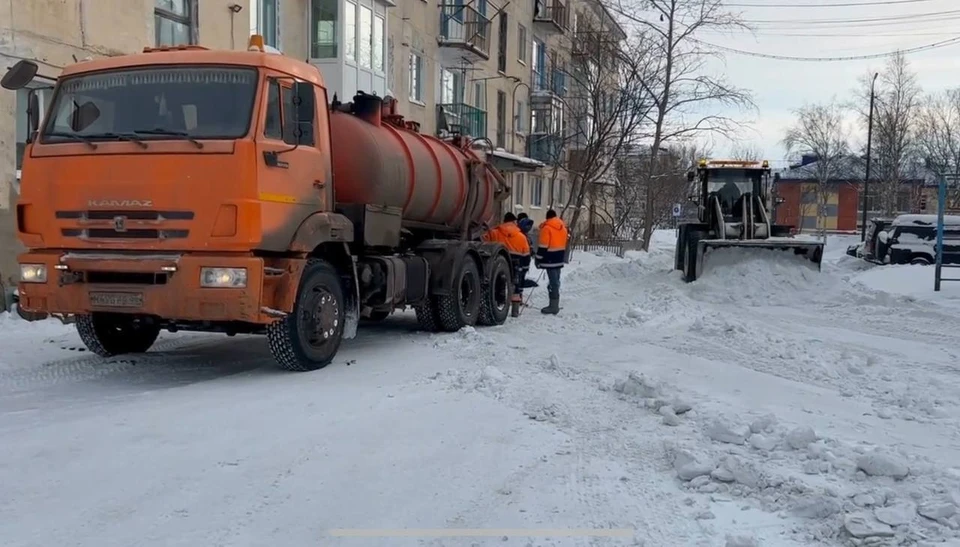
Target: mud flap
{"points": [[812, 251]]}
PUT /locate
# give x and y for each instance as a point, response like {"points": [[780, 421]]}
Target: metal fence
{"points": [[618, 247]]}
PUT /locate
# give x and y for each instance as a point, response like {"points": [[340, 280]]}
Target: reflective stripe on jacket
{"points": [[552, 247], [512, 238]]}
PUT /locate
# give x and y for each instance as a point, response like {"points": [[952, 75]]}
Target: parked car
{"points": [[912, 239], [867, 249]]}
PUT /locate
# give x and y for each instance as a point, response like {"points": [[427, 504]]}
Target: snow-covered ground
{"points": [[765, 404]]}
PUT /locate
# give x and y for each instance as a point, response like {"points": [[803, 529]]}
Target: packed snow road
{"points": [[762, 405]]}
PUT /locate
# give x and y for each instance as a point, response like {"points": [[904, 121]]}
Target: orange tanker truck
{"points": [[222, 191]]}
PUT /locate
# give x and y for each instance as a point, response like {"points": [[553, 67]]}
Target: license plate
{"points": [[116, 299]]}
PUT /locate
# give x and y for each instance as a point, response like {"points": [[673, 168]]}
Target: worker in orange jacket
{"points": [[515, 241], [551, 256]]}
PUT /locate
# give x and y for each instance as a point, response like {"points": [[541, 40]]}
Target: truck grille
{"points": [[106, 224]]}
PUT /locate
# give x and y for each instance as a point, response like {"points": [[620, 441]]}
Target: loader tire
{"points": [[308, 338], [461, 308], [108, 335], [690, 250], [495, 306]]}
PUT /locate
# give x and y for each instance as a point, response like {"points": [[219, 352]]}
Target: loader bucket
{"points": [[810, 250]]}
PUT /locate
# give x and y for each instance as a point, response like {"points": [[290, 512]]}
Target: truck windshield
{"points": [[730, 184], [153, 103]]}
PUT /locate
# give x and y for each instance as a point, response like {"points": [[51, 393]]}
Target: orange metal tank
{"points": [[378, 161]]}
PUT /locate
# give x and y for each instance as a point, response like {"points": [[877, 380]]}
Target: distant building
{"points": [[797, 186]]}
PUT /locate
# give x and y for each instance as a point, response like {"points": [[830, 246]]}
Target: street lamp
{"points": [[866, 181]]}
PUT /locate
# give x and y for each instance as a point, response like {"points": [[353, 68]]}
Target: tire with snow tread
{"points": [[290, 343], [108, 335], [452, 312], [427, 315], [491, 313]]}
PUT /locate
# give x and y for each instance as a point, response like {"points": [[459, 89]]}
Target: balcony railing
{"points": [[463, 119], [545, 148], [553, 15], [463, 27]]}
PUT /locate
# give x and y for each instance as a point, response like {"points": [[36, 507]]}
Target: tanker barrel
{"points": [[368, 108]]}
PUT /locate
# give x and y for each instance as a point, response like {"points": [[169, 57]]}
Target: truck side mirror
{"points": [[690, 176], [304, 100], [19, 75]]}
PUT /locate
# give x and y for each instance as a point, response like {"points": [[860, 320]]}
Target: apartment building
{"points": [[55, 34]]}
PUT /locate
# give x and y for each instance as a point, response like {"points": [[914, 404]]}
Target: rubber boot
{"points": [[553, 308], [515, 309]]}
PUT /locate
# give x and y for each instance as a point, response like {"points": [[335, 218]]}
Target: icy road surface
{"points": [[762, 405]]}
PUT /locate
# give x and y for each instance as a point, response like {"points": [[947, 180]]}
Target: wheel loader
{"points": [[734, 211]]}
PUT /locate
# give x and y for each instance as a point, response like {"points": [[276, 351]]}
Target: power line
{"points": [[917, 49], [895, 18], [841, 5]]}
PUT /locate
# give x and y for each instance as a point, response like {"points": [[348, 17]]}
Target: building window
{"points": [[520, 117], [416, 77], [501, 119], [536, 191], [502, 43], [522, 44], [480, 95], [43, 99], [366, 37], [378, 30], [265, 21], [323, 29], [350, 34], [173, 22], [451, 86], [519, 182]]}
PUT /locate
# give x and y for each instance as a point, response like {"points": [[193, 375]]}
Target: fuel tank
{"points": [[379, 159]]}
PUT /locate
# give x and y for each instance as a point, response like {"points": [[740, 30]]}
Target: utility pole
{"points": [[866, 180]]}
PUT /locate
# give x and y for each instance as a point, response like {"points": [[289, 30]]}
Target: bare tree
{"points": [[747, 153], [665, 182], [684, 88], [820, 131], [938, 138], [604, 116], [897, 103]]}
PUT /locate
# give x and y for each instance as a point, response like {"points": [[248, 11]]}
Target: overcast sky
{"points": [[780, 86]]}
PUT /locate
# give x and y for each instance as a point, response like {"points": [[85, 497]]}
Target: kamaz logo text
{"points": [[120, 203]]}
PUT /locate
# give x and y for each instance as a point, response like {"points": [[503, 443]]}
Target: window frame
{"points": [[284, 86], [536, 191], [190, 20], [256, 8], [521, 43], [415, 75]]}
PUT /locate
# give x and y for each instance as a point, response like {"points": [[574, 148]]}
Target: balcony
{"points": [[462, 119], [552, 16], [464, 34], [546, 148]]}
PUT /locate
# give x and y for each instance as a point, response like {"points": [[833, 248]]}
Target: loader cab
{"points": [[729, 182]]}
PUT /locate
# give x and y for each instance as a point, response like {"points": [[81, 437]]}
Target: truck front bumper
{"points": [[167, 286]]}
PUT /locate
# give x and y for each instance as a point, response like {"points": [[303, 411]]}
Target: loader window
{"points": [[730, 184], [153, 103]]}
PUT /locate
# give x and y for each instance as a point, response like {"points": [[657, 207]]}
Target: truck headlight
{"points": [[224, 278], [33, 273]]}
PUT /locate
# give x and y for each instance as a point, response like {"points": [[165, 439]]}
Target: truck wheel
{"points": [[107, 334], [427, 316], [920, 260], [462, 307], [495, 305], [308, 338]]}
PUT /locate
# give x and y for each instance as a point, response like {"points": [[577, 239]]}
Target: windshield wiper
{"points": [[170, 132], [78, 138], [120, 136]]}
